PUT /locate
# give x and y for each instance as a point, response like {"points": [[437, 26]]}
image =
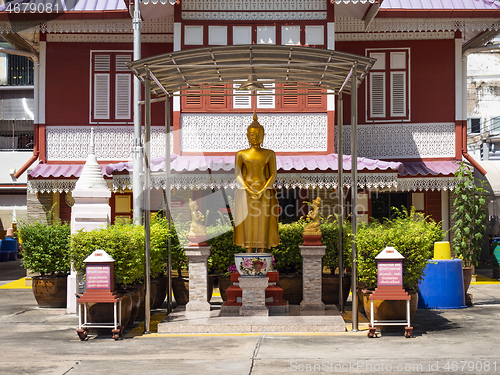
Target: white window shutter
{"points": [[102, 63], [242, 98], [398, 94], [120, 63], [264, 99], [123, 94], [377, 94], [101, 96]]}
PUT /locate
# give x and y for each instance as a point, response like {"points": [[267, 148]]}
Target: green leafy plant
{"points": [[160, 235], [223, 250], [411, 233], [330, 239], [470, 215], [124, 242], [45, 247], [287, 253]]}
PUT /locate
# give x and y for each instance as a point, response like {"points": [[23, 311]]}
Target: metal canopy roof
{"points": [[291, 65]]}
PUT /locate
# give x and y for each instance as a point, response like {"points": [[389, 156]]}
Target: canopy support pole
{"points": [[137, 145], [167, 203], [340, 195], [354, 191], [147, 206]]}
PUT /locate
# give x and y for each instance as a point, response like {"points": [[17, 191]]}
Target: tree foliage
{"points": [[470, 215]]}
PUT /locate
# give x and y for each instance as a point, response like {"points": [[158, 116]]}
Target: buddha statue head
{"points": [[255, 132]]}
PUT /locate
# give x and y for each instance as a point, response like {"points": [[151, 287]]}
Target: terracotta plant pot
{"points": [[389, 310], [50, 291], [135, 295], [161, 292], [141, 313], [224, 283], [330, 289], [103, 313], [136, 303], [292, 288], [180, 287]]}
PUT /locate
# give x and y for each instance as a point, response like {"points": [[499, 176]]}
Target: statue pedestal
{"points": [[312, 277], [254, 296], [198, 281]]}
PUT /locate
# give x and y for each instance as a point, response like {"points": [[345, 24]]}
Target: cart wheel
{"points": [[82, 333], [408, 332], [117, 333], [371, 332]]}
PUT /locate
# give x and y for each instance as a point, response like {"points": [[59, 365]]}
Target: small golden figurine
{"points": [[312, 231], [313, 227], [197, 231], [256, 206]]}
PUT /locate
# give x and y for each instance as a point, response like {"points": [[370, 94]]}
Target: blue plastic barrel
{"points": [[442, 286], [9, 244]]}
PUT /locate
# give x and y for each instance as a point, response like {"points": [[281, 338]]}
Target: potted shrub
{"points": [[289, 260], [221, 259], [330, 281], [46, 252], [413, 235], [124, 242], [470, 215]]}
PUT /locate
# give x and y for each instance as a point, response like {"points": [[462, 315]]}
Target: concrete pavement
{"points": [[44, 341]]}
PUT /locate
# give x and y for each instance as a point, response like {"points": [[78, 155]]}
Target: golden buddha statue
{"points": [[256, 206], [313, 228]]}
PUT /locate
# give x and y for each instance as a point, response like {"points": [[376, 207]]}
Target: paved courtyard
{"points": [[44, 341]]}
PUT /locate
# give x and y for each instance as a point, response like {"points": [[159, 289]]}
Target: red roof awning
{"points": [[429, 168]]}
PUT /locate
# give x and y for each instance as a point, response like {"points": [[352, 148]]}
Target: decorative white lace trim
{"points": [[56, 186], [227, 132], [111, 142], [349, 25], [156, 25], [381, 141], [172, 2], [355, 1], [108, 38], [253, 16], [440, 183], [284, 180], [350, 37], [288, 181]]}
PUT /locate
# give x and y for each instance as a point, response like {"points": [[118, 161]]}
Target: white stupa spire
{"points": [[91, 176]]}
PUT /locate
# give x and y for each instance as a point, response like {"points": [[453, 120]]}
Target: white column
{"points": [[90, 211]]}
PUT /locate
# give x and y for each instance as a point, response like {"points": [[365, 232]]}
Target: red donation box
{"points": [[390, 287], [99, 278], [389, 276]]}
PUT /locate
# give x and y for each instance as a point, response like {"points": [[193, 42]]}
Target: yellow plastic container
{"points": [[442, 250]]}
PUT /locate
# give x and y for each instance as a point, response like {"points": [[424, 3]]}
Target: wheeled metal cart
{"points": [[116, 327], [407, 322]]}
